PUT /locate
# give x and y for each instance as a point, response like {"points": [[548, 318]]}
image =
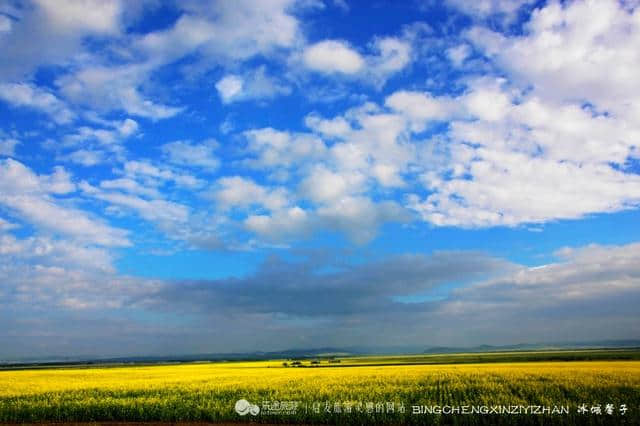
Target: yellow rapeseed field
{"points": [[343, 395]]}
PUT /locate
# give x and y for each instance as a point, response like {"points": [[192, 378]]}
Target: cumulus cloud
{"points": [[8, 147], [333, 56], [388, 56], [578, 51], [85, 157], [44, 23], [522, 160], [392, 55], [118, 131], [155, 175], [507, 10], [31, 197], [271, 148], [165, 213], [188, 154], [107, 88], [130, 186], [236, 191], [336, 179], [323, 185], [229, 87], [6, 225], [51, 252], [422, 108], [458, 54], [252, 85], [337, 127], [232, 30], [284, 224], [485, 170], [213, 34], [82, 15], [29, 96]]}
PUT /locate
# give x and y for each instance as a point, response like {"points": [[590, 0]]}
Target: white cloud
{"points": [[422, 108], [337, 127], [518, 159], [212, 33], [16, 178], [356, 217], [236, 191], [225, 30], [458, 54], [332, 56], [46, 251], [128, 127], [29, 195], [453, 149], [255, 84], [381, 139], [5, 24], [509, 188], [121, 130], [131, 186], [506, 158], [5, 225], [482, 9], [392, 55], [292, 222], [8, 147], [82, 15], [579, 51], [229, 87], [371, 154], [85, 134], [387, 56], [28, 96], [63, 276], [577, 134], [360, 218], [43, 23], [323, 185], [92, 145], [273, 148], [59, 182], [155, 175], [108, 88], [166, 213], [489, 104], [190, 154], [85, 157]]}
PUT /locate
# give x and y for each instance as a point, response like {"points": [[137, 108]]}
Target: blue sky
{"points": [[244, 175]]}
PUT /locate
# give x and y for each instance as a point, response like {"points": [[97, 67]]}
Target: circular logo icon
{"points": [[254, 410], [244, 407]]}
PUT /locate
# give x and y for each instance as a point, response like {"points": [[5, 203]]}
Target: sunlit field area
{"points": [[390, 390]]}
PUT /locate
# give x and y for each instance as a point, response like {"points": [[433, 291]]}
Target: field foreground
{"points": [[543, 392]]}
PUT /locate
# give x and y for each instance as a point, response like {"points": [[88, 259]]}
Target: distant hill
{"points": [[305, 353], [536, 346], [240, 356]]}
